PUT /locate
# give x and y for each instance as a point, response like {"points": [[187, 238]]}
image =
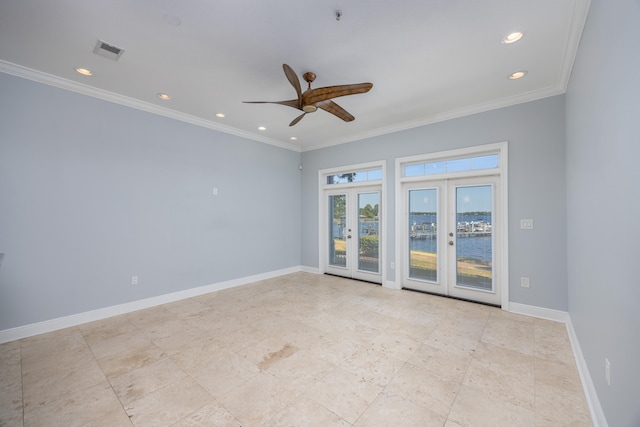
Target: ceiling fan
{"points": [[312, 99]]}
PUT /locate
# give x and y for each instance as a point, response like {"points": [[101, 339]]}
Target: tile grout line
{"points": [[21, 380], [473, 355], [105, 377], [363, 306]]}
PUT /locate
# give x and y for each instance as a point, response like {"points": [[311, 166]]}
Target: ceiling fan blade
{"points": [[336, 110], [323, 93], [295, 82], [297, 119], [291, 103]]}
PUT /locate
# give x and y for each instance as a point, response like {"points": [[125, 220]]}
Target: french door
{"points": [[449, 244], [353, 233]]}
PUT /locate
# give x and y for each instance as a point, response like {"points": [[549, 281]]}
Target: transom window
{"points": [[452, 165], [356, 176]]}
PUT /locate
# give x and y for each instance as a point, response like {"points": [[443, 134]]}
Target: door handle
{"points": [[348, 236], [450, 242]]}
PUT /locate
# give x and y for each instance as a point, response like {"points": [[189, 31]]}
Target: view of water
{"points": [[468, 247]]}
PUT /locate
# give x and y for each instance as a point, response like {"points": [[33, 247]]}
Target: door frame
{"points": [[402, 265], [501, 149], [352, 204], [323, 216]]}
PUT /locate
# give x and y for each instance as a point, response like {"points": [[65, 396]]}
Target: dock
{"points": [[459, 235]]}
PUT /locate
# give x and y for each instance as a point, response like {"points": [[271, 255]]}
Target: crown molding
{"points": [[62, 83], [578, 22], [580, 13], [448, 115], [575, 32]]}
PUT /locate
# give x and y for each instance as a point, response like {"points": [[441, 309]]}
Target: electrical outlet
{"points": [[607, 371], [526, 224], [134, 280], [393, 265], [524, 282]]}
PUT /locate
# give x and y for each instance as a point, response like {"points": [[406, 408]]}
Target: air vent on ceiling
{"points": [[107, 50]]}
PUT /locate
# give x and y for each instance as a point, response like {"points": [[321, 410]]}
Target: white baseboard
{"points": [[597, 414], [312, 270], [540, 312], [391, 284], [103, 313]]}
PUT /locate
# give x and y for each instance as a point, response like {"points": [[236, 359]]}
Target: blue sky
{"points": [[368, 199]]}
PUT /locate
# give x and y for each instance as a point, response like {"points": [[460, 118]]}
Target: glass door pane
{"points": [[474, 237], [423, 234], [337, 227], [368, 232], [450, 242]]}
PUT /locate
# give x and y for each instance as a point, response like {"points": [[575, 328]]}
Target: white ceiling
{"points": [[428, 60]]}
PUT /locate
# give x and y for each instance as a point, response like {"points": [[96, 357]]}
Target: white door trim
{"points": [[323, 214], [500, 148]]}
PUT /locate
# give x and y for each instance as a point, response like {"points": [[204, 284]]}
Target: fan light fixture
{"points": [[164, 96], [311, 99], [220, 115], [517, 75]]}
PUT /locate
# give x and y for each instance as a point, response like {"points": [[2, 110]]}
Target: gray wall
{"points": [[92, 193], [603, 148], [535, 132]]}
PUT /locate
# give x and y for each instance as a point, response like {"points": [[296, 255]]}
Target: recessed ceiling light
{"points": [[84, 71], [262, 128], [220, 115], [513, 37], [517, 75], [294, 138], [164, 96]]}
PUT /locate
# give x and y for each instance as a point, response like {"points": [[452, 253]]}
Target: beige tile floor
{"points": [[298, 350]]}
